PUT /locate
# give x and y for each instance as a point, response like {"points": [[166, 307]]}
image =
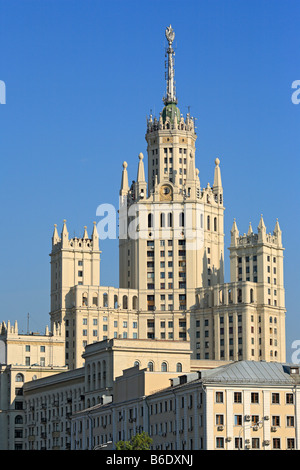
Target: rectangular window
{"points": [[290, 421], [238, 442], [276, 443], [219, 420], [254, 397], [275, 420], [275, 398], [255, 443], [220, 442], [291, 443], [255, 419], [289, 398], [219, 397], [238, 420]]}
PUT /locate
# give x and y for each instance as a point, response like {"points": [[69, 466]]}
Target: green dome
{"points": [[171, 111]]}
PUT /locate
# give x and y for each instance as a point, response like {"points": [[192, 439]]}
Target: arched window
{"points": [[105, 300], [134, 302], [19, 419], [84, 299], [162, 220], [208, 222], [215, 224], [136, 364], [150, 366], [95, 299], [178, 367], [19, 378], [251, 296], [239, 296], [164, 367], [170, 219], [115, 301], [125, 302]]}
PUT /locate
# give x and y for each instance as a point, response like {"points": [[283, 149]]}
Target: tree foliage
{"points": [[140, 441]]}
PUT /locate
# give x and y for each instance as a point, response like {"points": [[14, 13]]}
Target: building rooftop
{"points": [[253, 372]]}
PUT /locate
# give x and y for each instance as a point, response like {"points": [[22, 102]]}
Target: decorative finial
{"points": [[170, 35], [170, 96]]}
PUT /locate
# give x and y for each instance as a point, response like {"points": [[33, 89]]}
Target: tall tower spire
{"points": [[170, 95]]}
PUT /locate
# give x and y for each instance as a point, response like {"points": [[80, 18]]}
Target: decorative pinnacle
{"points": [[170, 96]]}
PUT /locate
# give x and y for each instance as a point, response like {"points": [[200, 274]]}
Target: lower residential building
{"points": [[24, 358], [240, 405], [51, 402]]}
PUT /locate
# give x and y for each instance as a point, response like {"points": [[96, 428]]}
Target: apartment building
{"points": [[24, 358], [237, 406]]}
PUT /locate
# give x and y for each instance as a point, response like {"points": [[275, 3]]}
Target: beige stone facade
{"points": [[244, 405], [50, 402], [23, 359]]}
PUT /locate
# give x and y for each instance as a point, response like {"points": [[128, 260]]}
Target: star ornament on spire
{"points": [[170, 35]]}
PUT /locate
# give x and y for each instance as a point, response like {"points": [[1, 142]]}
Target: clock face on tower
{"points": [[166, 193]]}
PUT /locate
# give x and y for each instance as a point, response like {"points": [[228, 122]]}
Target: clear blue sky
{"points": [[82, 75]]}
